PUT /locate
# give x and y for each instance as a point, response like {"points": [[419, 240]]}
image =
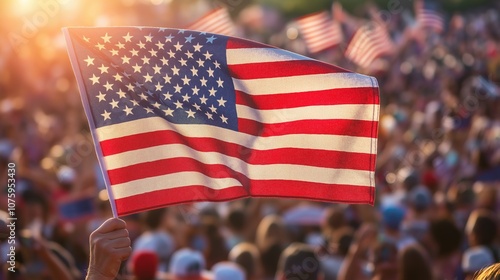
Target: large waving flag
{"points": [[369, 43], [320, 32], [181, 116], [216, 21]]}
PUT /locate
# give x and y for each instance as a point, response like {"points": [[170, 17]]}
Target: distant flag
{"points": [[369, 43], [320, 32], [428, 16], [216, 21], [180, 116]]}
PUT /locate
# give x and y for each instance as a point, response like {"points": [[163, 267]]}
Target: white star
{"points": [[89, 60], [167, 96], [220, 82], [183, 62], [190, 113], [127, 37], [148, 78], [148, 38], [114, 104], [94, 79], [197, 47], [157, 69], [176, 70], [164, 61], [86, 39], [171, 54], [130, 87], [118, 77], [143, 96], [141, 45], [134, 102], [145, 60], [108, 86], [125, 59], [177, 88], [212, 91], [185, 97], [207, 55], [194, 71], [153, 52], [100, 46], [181, 31], [106, 38], [178, 104], [189, 54], [103, 69], [217, 64], [158, 86], [224, 119], [203, 81], [178, 46], [189, 38], [203, 99], [201, 63], [114, 52], [167, 79], [213, 109], [157, 105], [106, 115], [120, 45], [169, 112], [186, 80], [148, 110], [101, 96], [169, 38], [210, 72], [121, 93], [211, 39], [222, 102], [137, 68], [160, 45], [195, 90], [209, 116], [128, 111], [134, 52], [198, 107]]}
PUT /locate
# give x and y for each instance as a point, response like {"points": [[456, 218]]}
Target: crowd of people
{"points": [[438, 168]]}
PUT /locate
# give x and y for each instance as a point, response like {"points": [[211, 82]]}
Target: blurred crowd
{"points": [[438, 170]]}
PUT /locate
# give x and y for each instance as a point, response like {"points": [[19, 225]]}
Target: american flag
{"points": [[320, 32], [181, 116], [428, 16], [216, 21], [368, 43]]}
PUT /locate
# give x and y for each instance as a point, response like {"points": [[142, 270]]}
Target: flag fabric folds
{"points": [[181, 116], [216, 21], [369, 43], [320, 32]]}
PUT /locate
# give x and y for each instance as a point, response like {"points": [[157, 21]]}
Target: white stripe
{"points": [[259, 55], [362, 112], [170, 181], [303, 83], [304, 141]]}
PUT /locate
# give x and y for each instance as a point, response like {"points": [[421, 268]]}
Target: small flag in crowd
{"points": [[320, 32], [216, 21], [428, 16], [181, 116], [368, 43]]}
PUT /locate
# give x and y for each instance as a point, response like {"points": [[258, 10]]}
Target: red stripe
{"points": [[320, 158], [331, 127], [309, 98], [282, 69], [267, 188], [163, 198], [237, 43]]}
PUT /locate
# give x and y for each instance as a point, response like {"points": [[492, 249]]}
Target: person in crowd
{"points": [[490, 273], [445, 240], [299, 261], [228, 271], [187, 264], [247, 256], [414, 264]]}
